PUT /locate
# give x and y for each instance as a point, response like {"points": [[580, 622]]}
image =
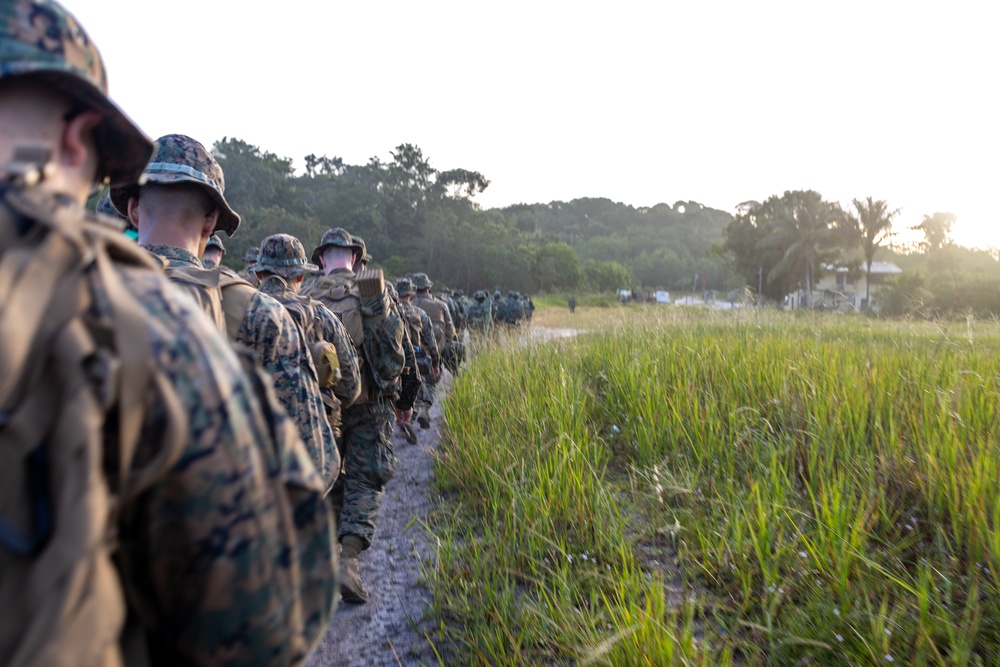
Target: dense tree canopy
{"points": [[416, 217]]}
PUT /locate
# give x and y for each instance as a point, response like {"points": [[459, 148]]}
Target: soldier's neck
{"points": [[152, 233]]}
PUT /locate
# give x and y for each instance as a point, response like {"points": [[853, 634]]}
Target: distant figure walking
{"points": [[572, 305]]}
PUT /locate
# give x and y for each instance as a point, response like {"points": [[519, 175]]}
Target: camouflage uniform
{"points": [[281, 349], [479, 313], [421, 333], [180, 159], [283, 256], [265, 327], [189, 274], [227, 559], [367, 426]]}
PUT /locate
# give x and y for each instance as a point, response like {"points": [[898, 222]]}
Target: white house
{"points": [[838, 290]]}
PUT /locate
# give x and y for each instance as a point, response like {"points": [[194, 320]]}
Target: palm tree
{"points": [[873, 222], [803, 226]]}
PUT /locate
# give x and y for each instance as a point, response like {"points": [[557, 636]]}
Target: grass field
{"points": [[678, 486]]}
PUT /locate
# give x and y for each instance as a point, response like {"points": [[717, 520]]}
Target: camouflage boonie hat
{"points": [[421, 281], [180, 159], [404, 286], [339, 237], [215, 242], [365, 257], [479, 295], [105, 207], [459, 292], [41, 40], [251, 254], [283, 255]]}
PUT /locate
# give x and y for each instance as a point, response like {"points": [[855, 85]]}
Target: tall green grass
{"points": [[829, 487]]}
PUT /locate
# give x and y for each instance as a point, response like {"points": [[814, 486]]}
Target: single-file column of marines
{"points": [[192, 460]]}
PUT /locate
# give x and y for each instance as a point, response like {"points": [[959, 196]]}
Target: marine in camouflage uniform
{"points": [[180, 169], [281, 267], [479, 313], [421, 333], [249, 259], [220, 561], [280, 348], [214, 252], [440, 317], [367, 425], [258, 321]]}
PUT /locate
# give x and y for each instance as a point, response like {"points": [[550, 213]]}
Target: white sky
{"points": [[641, 102]]}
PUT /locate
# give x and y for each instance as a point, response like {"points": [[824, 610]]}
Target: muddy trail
{"points": [[395, 626]]}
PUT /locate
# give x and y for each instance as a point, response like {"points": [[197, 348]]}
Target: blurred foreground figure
{"points": [[156, 507]]}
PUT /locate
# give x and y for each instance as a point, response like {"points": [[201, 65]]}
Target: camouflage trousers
{"points": [[369, 464], [425, 398]]}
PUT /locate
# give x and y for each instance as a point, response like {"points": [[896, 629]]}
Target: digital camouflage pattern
{"points": [[178, 158], [215, 242], [282, 255], [437, 310], [280, 348], [189, 273], [339, 237], [369, 464], [40, 39], [324, 327], [421, 281], [228, 559], [367, 426], [479, 313], [427, 356]]}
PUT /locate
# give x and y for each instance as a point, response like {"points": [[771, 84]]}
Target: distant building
{"points": [[845, 290]]}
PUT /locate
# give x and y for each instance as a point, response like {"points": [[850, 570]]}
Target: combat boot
{"points": [[424, 419], [352, 589], [408, 433]]}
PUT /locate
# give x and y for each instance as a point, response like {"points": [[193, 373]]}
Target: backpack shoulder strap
{"points": [[237, 294]]}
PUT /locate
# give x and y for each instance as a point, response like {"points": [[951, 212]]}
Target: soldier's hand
{"points": [[403, 416]]}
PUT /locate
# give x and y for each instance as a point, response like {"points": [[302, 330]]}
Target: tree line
{"points": [[416, 217]]}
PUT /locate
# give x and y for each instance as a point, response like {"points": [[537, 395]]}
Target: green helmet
{"points": [[421, 281], [283, 255], [404, 286], [180, 159], [41, 40], [496, 294], [215, 242], [480, 295], [339, 237]]}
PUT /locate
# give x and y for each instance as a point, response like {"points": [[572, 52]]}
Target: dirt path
{"points": [[393, 627]]}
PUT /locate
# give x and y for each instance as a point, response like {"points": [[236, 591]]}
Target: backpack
{"points": [[323, 352], [236, 295], [70, 385], [435, 309], [203, 285], [377, 339]]}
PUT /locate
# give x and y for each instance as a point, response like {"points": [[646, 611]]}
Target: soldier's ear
{"points": [[76, 145], [133, 211], [211, 219]]}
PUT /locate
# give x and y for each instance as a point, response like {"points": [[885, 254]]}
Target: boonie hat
{"points": [[41, 40], [283, 255], [178, 158]]}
